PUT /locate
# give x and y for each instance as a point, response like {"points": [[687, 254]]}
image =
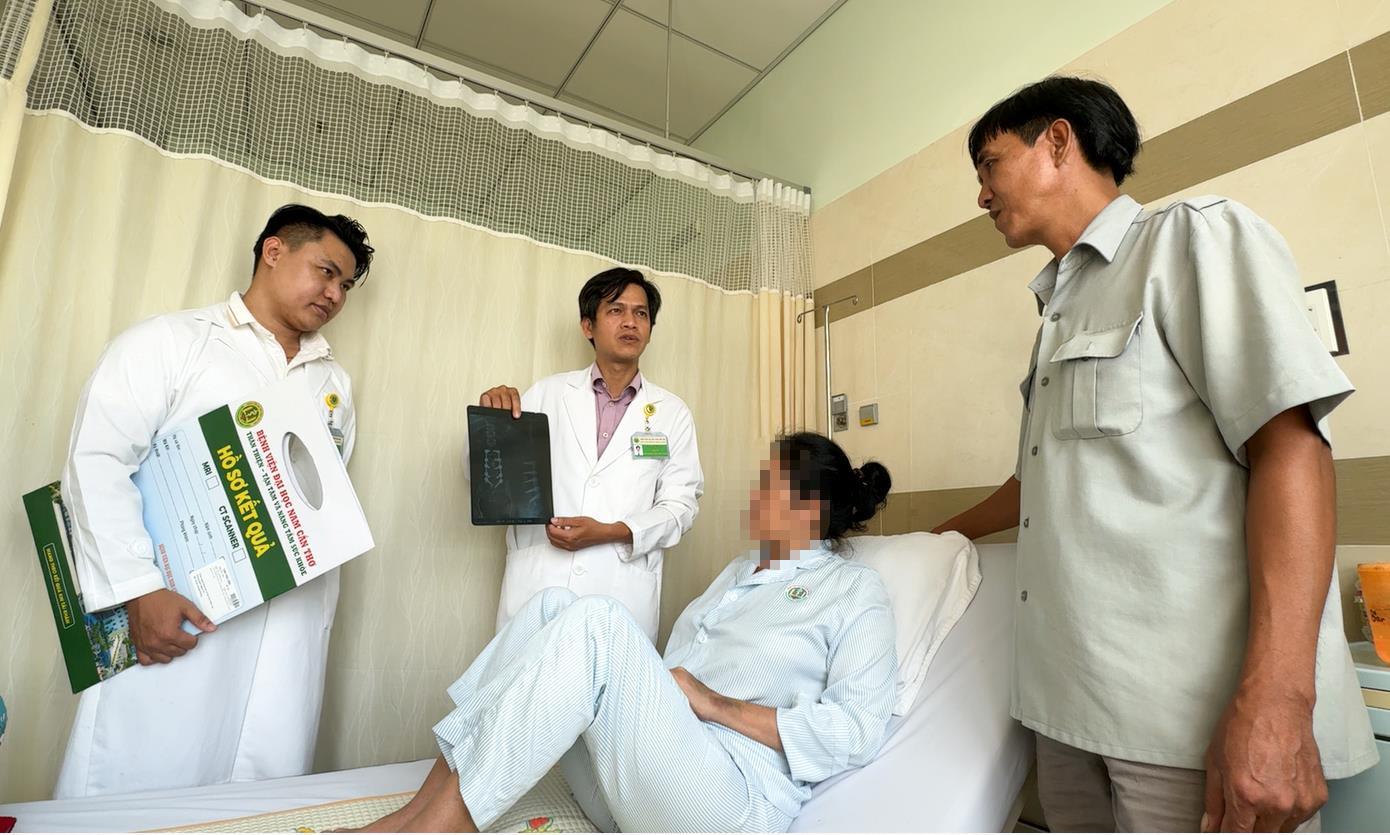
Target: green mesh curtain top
{"points": [[14, 26], [277, 103]]}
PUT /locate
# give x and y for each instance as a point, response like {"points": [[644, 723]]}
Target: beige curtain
{"points": [[102, 229], [22, 27], [785, 349]]}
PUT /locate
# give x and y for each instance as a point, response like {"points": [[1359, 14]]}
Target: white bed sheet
{"points": [[955, 762], [180, 807]]}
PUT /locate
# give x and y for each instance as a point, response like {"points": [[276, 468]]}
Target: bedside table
{"points": [[1362, 803]]}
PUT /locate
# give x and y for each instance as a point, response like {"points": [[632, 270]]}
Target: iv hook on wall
{"points": [[825, 316]]}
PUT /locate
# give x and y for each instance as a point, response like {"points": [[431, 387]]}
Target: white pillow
{"points": [[931, 579]]}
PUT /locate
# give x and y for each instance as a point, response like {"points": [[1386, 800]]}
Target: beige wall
{"points": [[1280, 104]]}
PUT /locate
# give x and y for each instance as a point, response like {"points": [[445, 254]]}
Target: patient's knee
{"points": [[555, 600], [597, 609]]}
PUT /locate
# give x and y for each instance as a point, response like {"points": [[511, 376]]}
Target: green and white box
{"points": [[244, 503]]}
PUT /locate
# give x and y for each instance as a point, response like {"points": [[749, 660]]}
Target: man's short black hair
{"points": [[1104, 127], [296, 225], [608, 285]]}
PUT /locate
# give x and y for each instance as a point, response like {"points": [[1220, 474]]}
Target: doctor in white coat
{"points": [[624, 460], [239, 701]]}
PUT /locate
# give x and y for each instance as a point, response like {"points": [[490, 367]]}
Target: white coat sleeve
{"points": [[677, 499], [122, 407]]}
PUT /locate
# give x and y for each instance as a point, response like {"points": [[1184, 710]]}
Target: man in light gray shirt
{"points": [[1179, 647]]}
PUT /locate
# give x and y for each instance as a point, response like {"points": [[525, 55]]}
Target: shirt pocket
{"points": [[1100, 392]]}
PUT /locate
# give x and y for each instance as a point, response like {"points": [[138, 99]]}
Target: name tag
{"points": [[650, 445]]}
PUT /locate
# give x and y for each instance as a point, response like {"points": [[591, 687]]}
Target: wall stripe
{"points": [[1363, 501], [1371, 63], [1363, 505], [1235, 135]]}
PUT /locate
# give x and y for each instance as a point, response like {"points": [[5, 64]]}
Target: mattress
{"points": [[955, 762]]}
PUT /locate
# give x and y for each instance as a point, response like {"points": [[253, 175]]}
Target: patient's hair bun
{"points": [[820, 470]]}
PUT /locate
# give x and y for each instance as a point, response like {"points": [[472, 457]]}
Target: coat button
{"points": [[1035, 450], [593, 482], [1045, 381], [1024, 596], [1056, 316], [1025, 523]]}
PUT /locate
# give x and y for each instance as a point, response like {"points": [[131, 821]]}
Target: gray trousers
{"points": [[1085, 792]]}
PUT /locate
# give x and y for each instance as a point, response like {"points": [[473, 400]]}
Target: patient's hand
{"points": [[156, 626], [701, 698], [755, 721]]}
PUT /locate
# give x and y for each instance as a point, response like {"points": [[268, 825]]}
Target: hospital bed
{"points": [[954, 762]]}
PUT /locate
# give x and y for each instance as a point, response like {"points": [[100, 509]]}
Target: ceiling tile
{"points": [[753, 31], [625, 70], [400, 20], [534, 39], [702, 83], [622, 118], [654, 9]]}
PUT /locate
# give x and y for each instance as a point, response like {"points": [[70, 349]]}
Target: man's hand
{"points": [[1263, 769], [502, 397], [156, 626], [701, 698], [571, 533]]}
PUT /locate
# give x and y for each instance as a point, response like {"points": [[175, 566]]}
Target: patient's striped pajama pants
{"points": [[567, 667]]}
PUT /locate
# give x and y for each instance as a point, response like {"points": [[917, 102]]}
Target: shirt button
{"points": [[605, 434], [1024, 596], [1025, 523], [1045, 381], [1056, 316], [702, 637], [578, 570], [593, 482]]}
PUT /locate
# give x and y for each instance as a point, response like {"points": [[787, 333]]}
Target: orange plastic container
{"points": [[1375, 588]]}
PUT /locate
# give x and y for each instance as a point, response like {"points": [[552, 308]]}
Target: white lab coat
{"points": [[656, 498], [243, 704]]}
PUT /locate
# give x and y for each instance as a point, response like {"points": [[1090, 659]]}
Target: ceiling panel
{"points": [[399, 19], [753, 31], [702, 83], [625, 70], [654, 9], [607, 56], [532, 39]]}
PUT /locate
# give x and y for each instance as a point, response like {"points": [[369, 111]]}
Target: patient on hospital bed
{"points": [[780, 675]]}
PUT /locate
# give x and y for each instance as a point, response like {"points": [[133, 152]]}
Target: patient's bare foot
{"points": [[392, 822], [445, 812]]}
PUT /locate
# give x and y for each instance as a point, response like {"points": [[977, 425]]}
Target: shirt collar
{"points": [[1107, 230], [311, 345], [1103, 235], [815, 556], [596, 380], [241, 314]]}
